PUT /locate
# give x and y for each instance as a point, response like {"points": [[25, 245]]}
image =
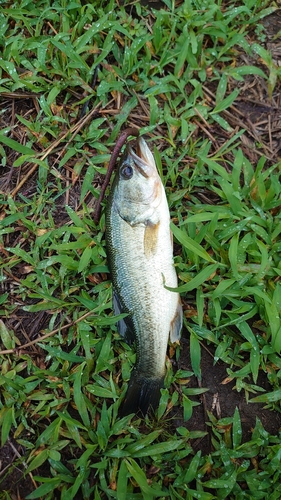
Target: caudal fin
{"points": [[142, 395]]}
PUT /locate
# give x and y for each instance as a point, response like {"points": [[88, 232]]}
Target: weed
{"points": [[176, 74]]}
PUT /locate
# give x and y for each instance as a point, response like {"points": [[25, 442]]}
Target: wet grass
{"points": [[176, 73]]}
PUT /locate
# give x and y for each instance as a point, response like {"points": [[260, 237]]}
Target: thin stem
{"points": [[116, 151]]}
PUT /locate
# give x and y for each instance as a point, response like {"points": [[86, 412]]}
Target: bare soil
{"points": [[221, 399]]}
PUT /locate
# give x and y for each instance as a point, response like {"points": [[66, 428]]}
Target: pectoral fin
{"points": [[125, 326], [151, 238], [176, 324]]}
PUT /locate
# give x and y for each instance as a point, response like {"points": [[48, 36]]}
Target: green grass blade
{"points": [[190, 244]]}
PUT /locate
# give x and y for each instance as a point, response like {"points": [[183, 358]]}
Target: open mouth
{"points": [[139, 159], [142, 158], [142, 150]]}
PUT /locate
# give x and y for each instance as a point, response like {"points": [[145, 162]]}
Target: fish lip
{"points": [[140, 157], [138, 162], [141, 146]]}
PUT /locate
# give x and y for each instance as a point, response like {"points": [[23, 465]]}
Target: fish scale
{"points": [[140, 256]]}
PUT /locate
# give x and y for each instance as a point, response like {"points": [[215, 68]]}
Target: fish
{"points": [[140, 256]]}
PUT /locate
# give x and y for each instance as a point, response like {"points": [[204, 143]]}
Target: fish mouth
{"points": [[143, 158]]}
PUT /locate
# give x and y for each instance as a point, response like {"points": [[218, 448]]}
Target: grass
{"points": [[177, 74]]}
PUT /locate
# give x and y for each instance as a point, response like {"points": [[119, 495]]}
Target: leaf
{"points": [[123, 114], [102, 392], [222, 287], [41, 306], [187, 408], [9, 67], [247, 333], [225, 103], [55, 455], [254, 353], [75, 218], [194, 283], [79, 397], [218, 483], [3, 298], [57, 352], [39, 459], [102, 435], [215, 166], [45, 488], [201, 495], [76, 60], [221, 89], [200, 304], [139, 476], [70, 420], [192, 468], [104, 355], [244, 317], [158, 449], [247, 70], [142, 443], [26, 256], [190, 244], [233, 255], [50, 434], [181, 58], [122, 481], [232, 196], [16, 146], [195, 354], [206, 216], [236, 429], [263, 53], [269, 397], [7, 337], [7, 419], [222, 122], [275, 324], [85, 334], [85, 259]]}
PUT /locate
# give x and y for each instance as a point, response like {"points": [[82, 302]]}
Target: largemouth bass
{"points": [[140, 255]]}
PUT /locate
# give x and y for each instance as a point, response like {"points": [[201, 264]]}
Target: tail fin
{"points": [[142, 394]]}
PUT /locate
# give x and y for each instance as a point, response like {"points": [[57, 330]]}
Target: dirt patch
{"points": [[12, 468], [222, 398]]}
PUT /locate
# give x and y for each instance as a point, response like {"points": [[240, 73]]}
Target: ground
{"points": [[222, 398], [259, 115]]}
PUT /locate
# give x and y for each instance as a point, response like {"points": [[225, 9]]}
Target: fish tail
{"points": [[143, 394]]}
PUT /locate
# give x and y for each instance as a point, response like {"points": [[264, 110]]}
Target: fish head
{"points": [[138, 189]]}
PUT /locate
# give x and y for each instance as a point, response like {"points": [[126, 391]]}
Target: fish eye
{"points": [[127, 171]]}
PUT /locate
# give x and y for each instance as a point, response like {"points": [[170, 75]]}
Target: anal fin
{"points": [[176, 324]]}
